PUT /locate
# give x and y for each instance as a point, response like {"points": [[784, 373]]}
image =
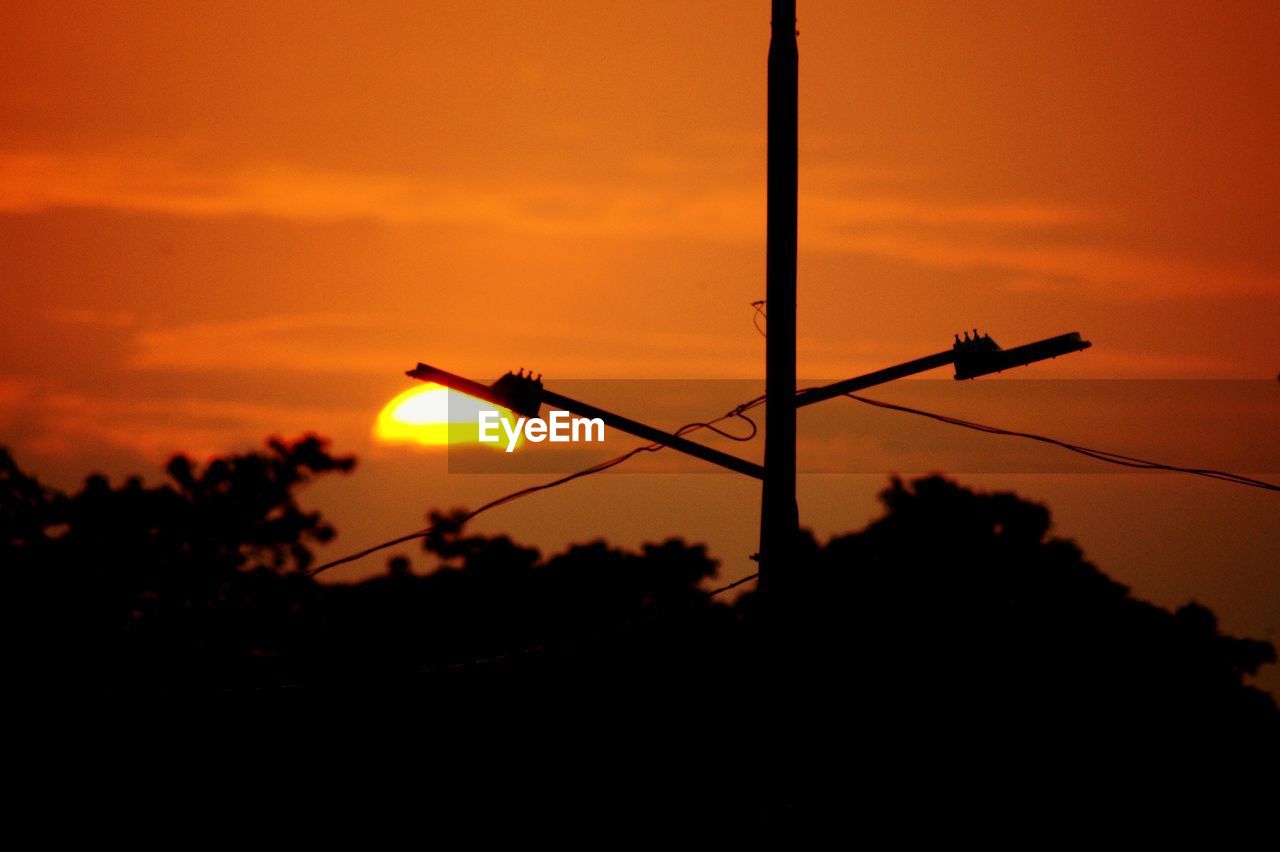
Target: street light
{"points": [[981, 356], [973, 356], [525, 395], [518, 393]]}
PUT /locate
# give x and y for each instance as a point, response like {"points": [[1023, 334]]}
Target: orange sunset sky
{"points": [[220, 221]]}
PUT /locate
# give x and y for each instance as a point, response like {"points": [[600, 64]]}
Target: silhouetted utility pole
{"points": [[778, 516], [779, 521]]}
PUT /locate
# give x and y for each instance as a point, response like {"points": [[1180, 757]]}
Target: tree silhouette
{"points": [[156, 585], [493, 604], [954, 605], [961, 602]]}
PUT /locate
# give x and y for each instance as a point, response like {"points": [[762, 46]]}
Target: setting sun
{"points": [[432, 416]]}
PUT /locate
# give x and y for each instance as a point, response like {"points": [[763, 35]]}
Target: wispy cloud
{"points": [[1112, 274], [1037, 243], [301, 342], [91, 318], [60, 423]]}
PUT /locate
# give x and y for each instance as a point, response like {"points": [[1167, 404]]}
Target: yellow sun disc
{"points": [[431, 415]]}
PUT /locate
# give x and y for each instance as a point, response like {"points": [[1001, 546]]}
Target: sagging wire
{"points": [[759, 306], [738, 412], [1100, 455]]}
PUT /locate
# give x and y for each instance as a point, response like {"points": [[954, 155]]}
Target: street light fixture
{"points": [[982, 355], [973, 356], [525, 395]]}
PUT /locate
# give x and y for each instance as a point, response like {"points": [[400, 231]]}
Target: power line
{"points": [[735, 584], [739, 412], [1100, 455], [736, 412], [492, 504], [758, 307]]}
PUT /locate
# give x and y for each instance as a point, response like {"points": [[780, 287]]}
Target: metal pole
{"points": [[778, 521], [930, 362]]}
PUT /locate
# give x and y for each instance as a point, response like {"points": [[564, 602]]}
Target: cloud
{"points": [[1114, 275], [299, 342], [92, 318], [1027, 240], [59, 423]]}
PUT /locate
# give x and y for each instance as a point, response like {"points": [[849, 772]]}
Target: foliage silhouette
{"points": [[954, 608], [158, 585], [958, 608]]}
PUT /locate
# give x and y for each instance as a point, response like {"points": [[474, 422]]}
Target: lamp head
{"points": [[517, 392], [979, 356], [523, 393]]}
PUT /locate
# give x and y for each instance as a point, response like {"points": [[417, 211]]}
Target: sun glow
{"points": [[433, 416]]}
